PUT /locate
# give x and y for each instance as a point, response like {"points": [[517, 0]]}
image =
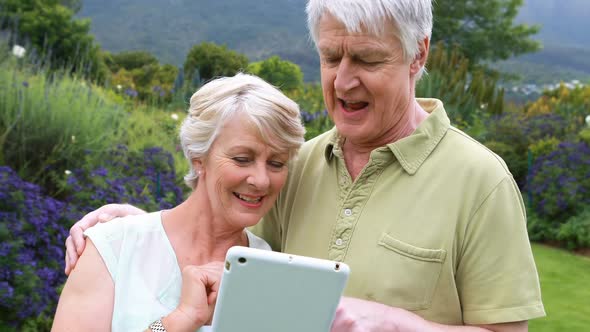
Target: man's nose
{"points": [[346, 76]]}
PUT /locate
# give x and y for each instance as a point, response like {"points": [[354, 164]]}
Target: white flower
{"points": [[588, 120], [68, 172], [119, 87], [73, 138], [174, 116], [18, 51]]}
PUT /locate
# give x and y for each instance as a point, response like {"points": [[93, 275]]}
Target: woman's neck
{"points": [[197, 237]]}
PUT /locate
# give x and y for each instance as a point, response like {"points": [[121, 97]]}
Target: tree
{"points": [[210, 60], [483, 29], [73, 5], [130, 60], [282, 73], [50, 28]]}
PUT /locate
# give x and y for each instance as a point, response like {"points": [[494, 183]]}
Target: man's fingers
{"points": [[71, 255], [104, 217], [67, 268], [78, 242]]}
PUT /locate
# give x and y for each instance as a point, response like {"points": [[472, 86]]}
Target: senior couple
{"points": [[430, 222]]}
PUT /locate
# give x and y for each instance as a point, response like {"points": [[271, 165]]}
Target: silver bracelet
{"points": [[157, 326]]}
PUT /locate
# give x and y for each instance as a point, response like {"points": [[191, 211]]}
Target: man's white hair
{"points": [[410, 20]]}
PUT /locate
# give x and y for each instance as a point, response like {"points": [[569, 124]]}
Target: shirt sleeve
{"points": [[496, 277], [107, 238]]}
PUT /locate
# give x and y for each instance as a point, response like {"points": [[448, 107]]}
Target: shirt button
{"points": [[348, 212], [338, 242]]}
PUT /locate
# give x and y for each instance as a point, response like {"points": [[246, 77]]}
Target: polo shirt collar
{"points": [[411, 151]]}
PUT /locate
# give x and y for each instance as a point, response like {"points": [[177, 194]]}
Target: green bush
{"points": [[517, 162], [149, 127], [506, 136], [466, 92], [584, 135], [544, 146], [48, 122], [575, 233], [541, 230]]}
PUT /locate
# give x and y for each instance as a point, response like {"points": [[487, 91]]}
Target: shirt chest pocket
{"points": [[405, 275]]}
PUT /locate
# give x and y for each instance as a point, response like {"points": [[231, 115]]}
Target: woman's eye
{"points": [[241, 160], [276, 164]]}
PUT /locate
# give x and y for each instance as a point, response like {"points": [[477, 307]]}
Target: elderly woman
{"points": [[155, 269]]}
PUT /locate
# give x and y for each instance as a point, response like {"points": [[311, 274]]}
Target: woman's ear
{"points": [[198, 166]]}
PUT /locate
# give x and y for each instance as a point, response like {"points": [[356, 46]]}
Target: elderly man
{"points": [[431, 222]]}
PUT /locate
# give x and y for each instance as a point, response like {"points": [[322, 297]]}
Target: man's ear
{"points": [[420, 60]]}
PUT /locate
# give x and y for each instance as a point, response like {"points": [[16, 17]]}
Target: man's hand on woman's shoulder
{"points": [[75, 243]]}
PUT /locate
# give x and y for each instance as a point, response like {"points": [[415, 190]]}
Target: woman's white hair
{"points": [[274, 115], [411, 20]]}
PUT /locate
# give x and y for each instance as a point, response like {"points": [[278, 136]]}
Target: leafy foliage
{"points": [[575, 233], [58, 38], [310, 99], [483, 29], [512, 134], [130, 60], [571, 104], [467, 93], [281, 73], [209, 60], [47, 122], [33, 229]]}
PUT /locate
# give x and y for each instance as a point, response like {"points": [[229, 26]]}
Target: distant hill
{"points": [[566, 42], [168, 28], [564, 22], [259, 29]]}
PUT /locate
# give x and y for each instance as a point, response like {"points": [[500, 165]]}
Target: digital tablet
{"points": [[266, 291]]}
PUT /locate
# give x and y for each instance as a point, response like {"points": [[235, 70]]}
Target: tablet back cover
{"points": [[264, 291]]}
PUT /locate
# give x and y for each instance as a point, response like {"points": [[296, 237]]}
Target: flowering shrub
{"points": [[33, 229], [511, 135], [560, 182], [145, 179], [572, 104], [506, 136]]}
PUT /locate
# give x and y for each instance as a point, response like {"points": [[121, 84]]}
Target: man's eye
{"points": [[369, 62], [331, 60]]}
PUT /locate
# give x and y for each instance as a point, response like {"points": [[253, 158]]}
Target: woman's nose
{"points": [[259, 178]]}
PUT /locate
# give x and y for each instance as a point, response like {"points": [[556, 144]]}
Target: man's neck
{"points": [[357, 154]]}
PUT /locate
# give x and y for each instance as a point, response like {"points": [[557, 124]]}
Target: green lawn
{"points": [[565, 285]]}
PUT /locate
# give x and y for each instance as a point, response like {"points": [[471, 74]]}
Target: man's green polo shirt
{"points": [[434, 224]]}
